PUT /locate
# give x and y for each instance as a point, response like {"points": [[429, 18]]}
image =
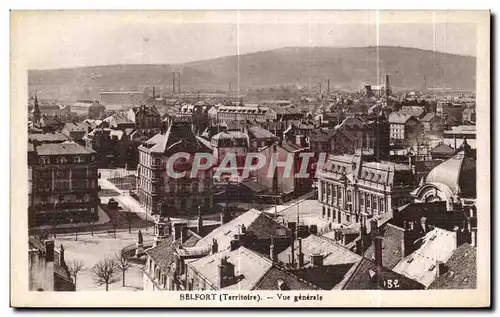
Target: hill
{"points": [[347, 68]]}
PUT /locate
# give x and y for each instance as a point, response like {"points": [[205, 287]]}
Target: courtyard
{"points": [[92, 249]]}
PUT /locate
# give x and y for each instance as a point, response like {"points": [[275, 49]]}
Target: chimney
{"points": [[234, 244], [374, 227], [291, 225], [177, 231], [199, 224], [458, 238], [221, 273], [292, 247], [184, 230], [440, 268], [243, 230], [215, 246], [282, 286], [226, 272], [272, 251], [300, 256], [49, 250], [317, 259], [378, 251]]}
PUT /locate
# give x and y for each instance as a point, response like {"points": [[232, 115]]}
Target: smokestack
{"points": [[179, 86], [328, 85], [378, 251], [292, 246], [173, 83], [300, 255]]}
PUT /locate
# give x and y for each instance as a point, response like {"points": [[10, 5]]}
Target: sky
{"points": [[52, 39]]}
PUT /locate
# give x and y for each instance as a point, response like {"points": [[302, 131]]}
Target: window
{"points": [[361, 199], [374, 206], [382, 207]]}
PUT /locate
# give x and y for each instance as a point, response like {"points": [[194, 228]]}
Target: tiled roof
{"points": [[270, 280], [177, 134], [368, 276], [392, 251], [321, 135], [325, 277], [333, 253], [428, 117], [460, 270], [263, 226], [63, 149], [48, 137], [249, 268], [76, 127], [443, 149], [414, 111], [437, 246], [163, 253], [399, 118], [257, 132]]}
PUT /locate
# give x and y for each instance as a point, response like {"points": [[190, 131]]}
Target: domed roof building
{"points": [[450, 181]]}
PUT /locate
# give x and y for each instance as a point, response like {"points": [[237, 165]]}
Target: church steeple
{"points": [[36, 110]]}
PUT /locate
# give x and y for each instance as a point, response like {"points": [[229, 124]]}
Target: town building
{"points": [[278, 183], [469, 115], [404, 127], [47, 138], [450, 112], [154, 185], [259, 138], [75, 131], [460, 271], [353, 187], [220, 113], [145, 117], [229, 142], [91, 109], [456, 135], [452, 181], [118, 120], [431, 122], [63, 185], [424, 264], [47, 267]]}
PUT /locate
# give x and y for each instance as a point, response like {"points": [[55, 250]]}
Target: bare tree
{"points": [[75, 267], [91, 224], [123, 264], [130, 217], [114, 223], [105, 272]]}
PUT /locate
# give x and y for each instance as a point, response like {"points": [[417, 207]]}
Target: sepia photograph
{"points": [[250, 158]]}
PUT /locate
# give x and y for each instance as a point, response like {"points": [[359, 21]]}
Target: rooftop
{"points": [[63, 149], [460, 270], [437, 246]]}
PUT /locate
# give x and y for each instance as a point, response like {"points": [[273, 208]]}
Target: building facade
{"points": [[353, 186], [154, 185], [64, 185], [145, 117], [241, 113]]}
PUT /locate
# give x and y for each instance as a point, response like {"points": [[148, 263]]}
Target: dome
{"points": [[457, 173]]}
